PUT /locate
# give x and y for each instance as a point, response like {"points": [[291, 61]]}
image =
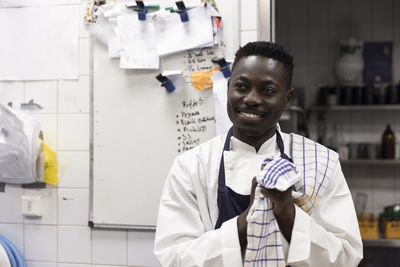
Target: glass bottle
{"points": [[388, 143]]}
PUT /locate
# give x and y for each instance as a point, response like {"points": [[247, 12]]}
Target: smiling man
{"points": [[208, 210]]}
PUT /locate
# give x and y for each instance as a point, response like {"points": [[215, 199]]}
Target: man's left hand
{"points": [[283, 207]]}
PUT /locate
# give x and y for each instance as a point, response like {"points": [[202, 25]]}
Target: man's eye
{"points": [[240, 86], [268, 91]]}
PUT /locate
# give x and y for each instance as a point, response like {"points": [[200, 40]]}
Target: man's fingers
{"points": [[265, 162], [276, 194], [253, 189], [253, 184], [264, 191]]}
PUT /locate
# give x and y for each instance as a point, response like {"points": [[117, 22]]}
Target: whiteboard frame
{"points": [[232, 46]]}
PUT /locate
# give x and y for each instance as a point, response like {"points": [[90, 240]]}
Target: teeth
{"points": [[251, 115]]}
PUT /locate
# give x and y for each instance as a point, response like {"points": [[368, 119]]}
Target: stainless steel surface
{"points": [[356, 108], [266, 20], [375, 162]]}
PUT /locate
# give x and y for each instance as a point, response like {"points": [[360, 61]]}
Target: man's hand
{"points": [[283, 207], [242, 222]]}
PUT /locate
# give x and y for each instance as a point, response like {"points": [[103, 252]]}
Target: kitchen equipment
{"points": [[349, 67]]}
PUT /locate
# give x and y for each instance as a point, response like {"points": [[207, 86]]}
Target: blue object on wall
{"points": [[14, 256]]}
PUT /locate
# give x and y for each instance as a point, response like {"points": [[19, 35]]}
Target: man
{"points": [[204, 209]]}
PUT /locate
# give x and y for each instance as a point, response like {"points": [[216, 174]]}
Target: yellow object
{"points": [[369, 230], [50, 165], [202, 79], [368, 226], [391, 229]]}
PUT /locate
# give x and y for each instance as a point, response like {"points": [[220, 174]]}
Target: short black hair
{"points": [[269, 50]]}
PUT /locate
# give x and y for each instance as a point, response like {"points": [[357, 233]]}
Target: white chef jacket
{"points": [[188, 212]]}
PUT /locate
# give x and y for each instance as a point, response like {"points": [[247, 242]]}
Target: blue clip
{"points": [[223, 65], [182, 11], [141, 9], [169, 86]]}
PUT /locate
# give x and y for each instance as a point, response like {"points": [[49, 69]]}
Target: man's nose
{"points": [[252, 98]]}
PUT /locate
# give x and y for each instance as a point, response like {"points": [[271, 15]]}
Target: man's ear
{"points": [[289, 97], [227, 85]]}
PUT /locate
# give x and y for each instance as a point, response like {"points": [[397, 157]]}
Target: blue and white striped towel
{"points": [[264, 245], [313, 167]]}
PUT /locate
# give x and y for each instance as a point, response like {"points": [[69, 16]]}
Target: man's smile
{"points": [[250, 115]]}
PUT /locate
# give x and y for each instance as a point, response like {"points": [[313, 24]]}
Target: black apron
{"points": [[230, 203]]}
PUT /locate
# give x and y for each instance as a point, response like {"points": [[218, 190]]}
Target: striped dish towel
{"points": [[264, 245]]}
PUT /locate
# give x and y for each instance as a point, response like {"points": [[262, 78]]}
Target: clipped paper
{"points": [[138, 42], [175, 35]]}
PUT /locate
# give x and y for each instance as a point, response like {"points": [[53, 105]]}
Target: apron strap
{"points": [[281, 147], [221, 174], [230, 203]]}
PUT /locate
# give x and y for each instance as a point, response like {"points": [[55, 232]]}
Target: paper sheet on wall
{"points": [[104, 28], [175, 35], [22, 3], [39, 43], [220, 87], [138, 42]]}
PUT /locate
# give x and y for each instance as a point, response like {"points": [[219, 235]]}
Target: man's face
{"points": [[258, 93]]}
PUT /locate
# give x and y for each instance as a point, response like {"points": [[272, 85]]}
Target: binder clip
{"points": [[224, 66], [169, 86], [182, 11], [141, 9]]}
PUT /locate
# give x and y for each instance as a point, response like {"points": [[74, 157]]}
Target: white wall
{"points": [[61, 238], [311, 30]]}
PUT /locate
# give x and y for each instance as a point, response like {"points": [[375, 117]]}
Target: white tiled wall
{"points": [[248, 21], [311, 31], [61, 237]]}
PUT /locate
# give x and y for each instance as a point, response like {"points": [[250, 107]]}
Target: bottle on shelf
{"points": [[388, 146]]}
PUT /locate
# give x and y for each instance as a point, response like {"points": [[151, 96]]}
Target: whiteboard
{"points": [[138, 128]]}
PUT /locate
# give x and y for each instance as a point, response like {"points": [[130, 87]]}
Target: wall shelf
{"points": [[375, 162], [355, 108], [394, 243]]}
